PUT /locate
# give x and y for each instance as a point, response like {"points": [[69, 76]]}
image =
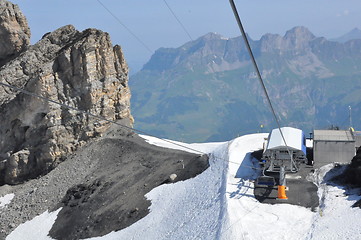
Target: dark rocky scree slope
{"points": [[99, 173], [101, 186], [112, 196]]}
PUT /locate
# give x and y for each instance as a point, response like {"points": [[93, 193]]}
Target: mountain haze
{"points": [[207, 89]]}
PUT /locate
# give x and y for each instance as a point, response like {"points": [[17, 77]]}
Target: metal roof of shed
{"points": [[333, 135]]}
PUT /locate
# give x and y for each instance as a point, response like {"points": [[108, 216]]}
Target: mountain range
{"points": [[207, 89]]}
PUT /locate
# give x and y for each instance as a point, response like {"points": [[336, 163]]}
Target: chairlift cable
{"points": [[119, 124], [180, 23], [113, 122], [96, 116], [122, 24], [238, 19]]}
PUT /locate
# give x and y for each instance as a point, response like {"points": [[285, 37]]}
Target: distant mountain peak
{"points": [[356, 30], [212, 36], [300, 32], [351, 35], [296, 38]]}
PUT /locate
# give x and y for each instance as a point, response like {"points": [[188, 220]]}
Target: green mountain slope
{"points": [[206, 90]]}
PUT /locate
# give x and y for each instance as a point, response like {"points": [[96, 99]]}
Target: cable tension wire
{"points": [[238, 19]]}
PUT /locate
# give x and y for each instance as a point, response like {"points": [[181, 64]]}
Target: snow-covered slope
{"points": [[219, 204]]}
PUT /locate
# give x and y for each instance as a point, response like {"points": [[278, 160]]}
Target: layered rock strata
{"points": [[78, 69]]}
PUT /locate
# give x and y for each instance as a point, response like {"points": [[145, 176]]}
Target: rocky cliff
{"points": [[79, 69], [14, 31]]}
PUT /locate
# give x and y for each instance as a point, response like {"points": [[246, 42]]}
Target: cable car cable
{"points": [[96, 116], [122, 24], [180, 23], [114, 122], [239, 22]]}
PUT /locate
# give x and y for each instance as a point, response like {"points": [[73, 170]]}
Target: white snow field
{"points": [[220, 204]]}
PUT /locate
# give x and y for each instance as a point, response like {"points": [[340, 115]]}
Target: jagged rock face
{"points": [[14, 30], [80, 69]]}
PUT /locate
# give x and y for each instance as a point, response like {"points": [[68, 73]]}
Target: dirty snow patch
{"points": [[6, 199]]}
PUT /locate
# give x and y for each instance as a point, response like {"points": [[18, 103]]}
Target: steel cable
{"points": [[238, 19], [123, 25], [111, 121], [180, 23]]}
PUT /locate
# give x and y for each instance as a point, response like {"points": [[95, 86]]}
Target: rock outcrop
{"points": [[352, 174], [78, 69], [14, 31]]}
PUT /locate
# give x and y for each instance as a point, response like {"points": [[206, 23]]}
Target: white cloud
{"points": [[345, 12]]}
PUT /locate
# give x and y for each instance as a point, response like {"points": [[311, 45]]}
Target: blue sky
{"points": [[154, 24]]}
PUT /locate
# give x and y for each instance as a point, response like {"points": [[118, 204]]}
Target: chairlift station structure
{"points": [[285, 150], [289, 154]]}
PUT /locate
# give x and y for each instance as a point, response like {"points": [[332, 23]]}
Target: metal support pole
{"points": [[282, 176], [282, 184]]}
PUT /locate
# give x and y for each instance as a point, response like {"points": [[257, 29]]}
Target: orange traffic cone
{"points": [[282, 193]]}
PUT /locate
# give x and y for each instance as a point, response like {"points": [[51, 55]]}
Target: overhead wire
{"points": [[180, 23], [119, 124], [115, 122], [123, 25], [234, 9], [111, 121], [253, 59], [96, 116], [247, 46]]}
